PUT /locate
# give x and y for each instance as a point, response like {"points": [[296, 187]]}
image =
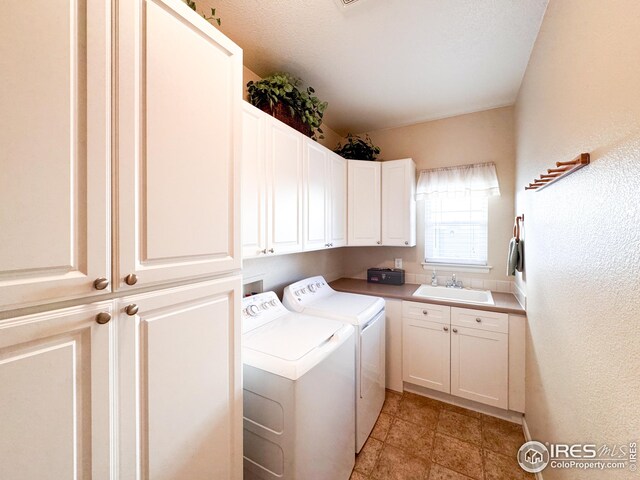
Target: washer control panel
{"points": [[307, 290], [260, 309]]}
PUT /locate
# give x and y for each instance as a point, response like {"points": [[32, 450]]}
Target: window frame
{"points": [[463, 264]]}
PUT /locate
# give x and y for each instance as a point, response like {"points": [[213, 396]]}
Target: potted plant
{"points": [[279, 95], [358, 148]]}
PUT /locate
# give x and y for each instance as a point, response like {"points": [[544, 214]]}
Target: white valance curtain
{"points": [[479, 180]]}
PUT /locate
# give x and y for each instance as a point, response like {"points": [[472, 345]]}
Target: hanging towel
{"points": [[512, 258], [520, 262]]}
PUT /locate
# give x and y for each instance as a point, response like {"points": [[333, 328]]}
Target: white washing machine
{"points": [[314, 296], [298, 393]]}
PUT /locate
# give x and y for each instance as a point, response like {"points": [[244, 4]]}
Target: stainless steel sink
{"points": [[463, 295]]}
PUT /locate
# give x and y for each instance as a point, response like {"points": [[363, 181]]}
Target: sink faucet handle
{"points": [[434, 279]]}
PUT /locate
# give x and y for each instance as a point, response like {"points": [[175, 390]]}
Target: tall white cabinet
{"points": [[178, 132], [55, 155], [120, 222]]}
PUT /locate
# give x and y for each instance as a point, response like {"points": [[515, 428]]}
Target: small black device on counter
{"points": [[387, 276]]}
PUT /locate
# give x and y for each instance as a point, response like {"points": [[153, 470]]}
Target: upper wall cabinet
{"points": [[294, 190], [254, 183], [178, 136], [399, 203], [337, 200], [54, 132], [325, 197], [364, 203], [382, 205], [284, 187], [317, 191]]}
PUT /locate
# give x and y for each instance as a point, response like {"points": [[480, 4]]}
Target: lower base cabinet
{"points": [[479, 366], [459, 351], [146, 386]]}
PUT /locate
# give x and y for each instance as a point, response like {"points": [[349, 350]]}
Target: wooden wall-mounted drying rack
{"points": [[562, 170]]}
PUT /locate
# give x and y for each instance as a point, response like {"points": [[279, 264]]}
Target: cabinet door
{"points": [[364, 203], [178, 134], [284, 183], [254, 196], [426, 354], [398, 203], [337, 200], [180, 397], [479, 365], [316, 181], [55, 407], [54, 132]]}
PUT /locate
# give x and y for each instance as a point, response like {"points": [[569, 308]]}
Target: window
{"points": [[456, 230]]}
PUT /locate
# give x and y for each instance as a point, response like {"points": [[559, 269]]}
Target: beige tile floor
{"points": [[417, 438]]}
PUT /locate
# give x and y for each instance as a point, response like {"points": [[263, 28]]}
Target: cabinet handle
{"points": [[103, 317], [271, 250], [100, 283], [425, 312], [478, 319], [446, 329], [131, 310], [406, 243], [455, 330], [131, 279]]}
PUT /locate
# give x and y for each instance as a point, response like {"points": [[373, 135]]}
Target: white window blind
{"points": [[456, 230]]}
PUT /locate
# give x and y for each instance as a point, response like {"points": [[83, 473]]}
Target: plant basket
{"points": [[283, 113]]}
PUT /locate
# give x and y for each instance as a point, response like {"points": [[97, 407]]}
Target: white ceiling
{"points": [[386, 63]]}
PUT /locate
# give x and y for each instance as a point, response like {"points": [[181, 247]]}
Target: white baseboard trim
{"points": [[527, 437]]}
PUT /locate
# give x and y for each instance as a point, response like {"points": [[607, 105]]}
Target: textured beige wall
{"points": [[581, 93], [486, 136], [331, 138], [279, 271]]}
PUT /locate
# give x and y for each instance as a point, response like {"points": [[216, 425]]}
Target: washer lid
{"points": [[291, 336], [348, 307]]}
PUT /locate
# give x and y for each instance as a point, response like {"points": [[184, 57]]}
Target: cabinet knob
{"points": [[378, 242], [478, 319], [100, 283], [131, 279], [455, 330], [406, 243], [264, 251], [131, 310], [103, 317], [271, 250], [425, 312], [446, 329]]}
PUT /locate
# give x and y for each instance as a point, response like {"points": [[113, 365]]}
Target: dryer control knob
{"points": [[304, 290], [273, 303], [264, 306], [311, 287], [253, 310], [318, 284]]}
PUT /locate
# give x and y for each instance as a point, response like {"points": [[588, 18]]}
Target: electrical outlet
{"points": [[398, 263]]}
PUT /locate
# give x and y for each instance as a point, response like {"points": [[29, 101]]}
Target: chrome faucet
{"points": [[453, 283], [434, 279]]}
